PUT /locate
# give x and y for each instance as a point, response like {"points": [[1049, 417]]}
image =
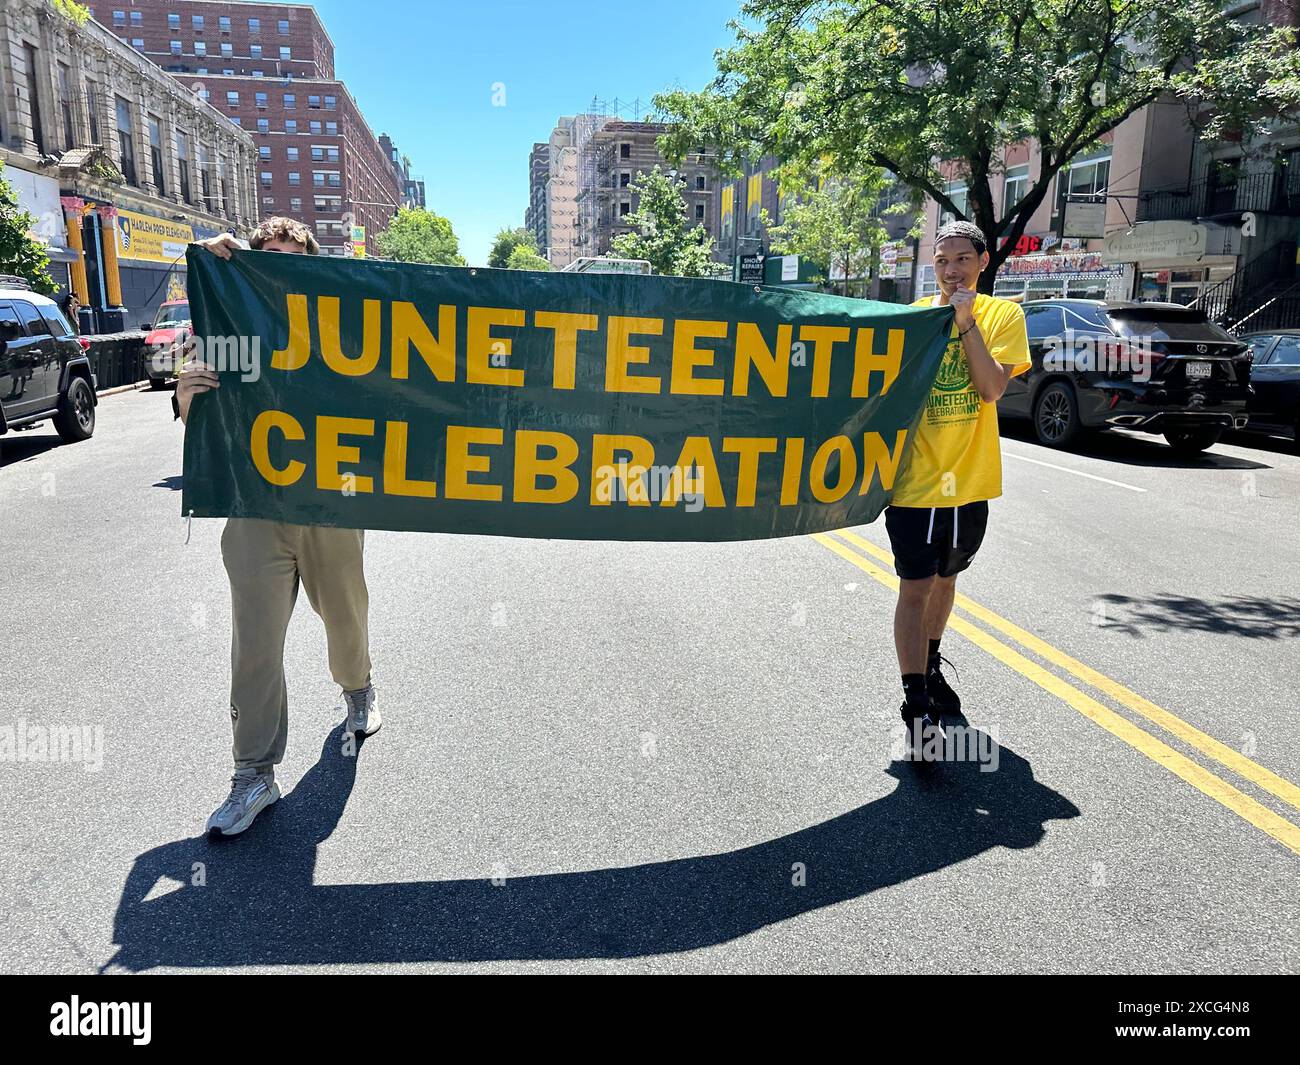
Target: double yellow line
{"points": [[1157, 750]]}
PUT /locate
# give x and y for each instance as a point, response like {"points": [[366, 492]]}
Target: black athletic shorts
{"points": [[935, 540]]}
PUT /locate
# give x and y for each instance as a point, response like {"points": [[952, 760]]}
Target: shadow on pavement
{"points": [[260, 905], [1235, 615], [18, 445], [175, 483], [1132, 449]]}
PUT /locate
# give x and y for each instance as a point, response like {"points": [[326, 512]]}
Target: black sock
{"points": [[914, 689], [934, 652]]}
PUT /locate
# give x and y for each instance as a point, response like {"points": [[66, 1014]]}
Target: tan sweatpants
{"points": [[265, 560]]}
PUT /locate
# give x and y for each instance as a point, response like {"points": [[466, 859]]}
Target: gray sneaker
{"points": [[251, 792], [363, 711]]}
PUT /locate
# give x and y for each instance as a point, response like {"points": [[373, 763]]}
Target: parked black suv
{"points": [[1156, 367], [44, 369]]}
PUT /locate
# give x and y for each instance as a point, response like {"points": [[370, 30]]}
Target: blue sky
{"points": [[424, 72]]}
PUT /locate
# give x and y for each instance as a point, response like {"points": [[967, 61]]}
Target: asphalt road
{"points": [[668, 758]]}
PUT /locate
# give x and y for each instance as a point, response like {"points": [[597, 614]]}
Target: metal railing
{"points": [[1278, 190]]}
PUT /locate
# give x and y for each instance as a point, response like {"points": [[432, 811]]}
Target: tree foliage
{"points": [[507, 240], [415, 235], [662, 233], [20, 253], [934, 89]]}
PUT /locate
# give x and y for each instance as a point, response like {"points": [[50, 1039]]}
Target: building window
{"points": [[699, 212], [291, 125], [119, 18], [125, 144], [266, 178], [232, 98], [155, 154], [332, 154], [1014, 187], [227, 70], [315, 127], [176, 47], [235, 120], [137, 20], [295, 178], [137, 43], [283, 27], [625, 151], [65, 104], [183, 163], [313, 102], [291, 154], [200, 49], [624, 179], [227, 49], [197, 22], [329, 103], [257, 73], [92, 106], [264, 152], [332, 128], [699, 183], [254, 51], [318, 153], [317, 179], [205, 178], [624, 209], [173, 22], [1083, 181], [285, 54], [295, 204], [259, 98], [223, 23], [290, 101], [263, 125], [958, 193], [254, 25]]}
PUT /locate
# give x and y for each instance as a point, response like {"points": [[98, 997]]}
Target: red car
{"points": [[170, 325]]}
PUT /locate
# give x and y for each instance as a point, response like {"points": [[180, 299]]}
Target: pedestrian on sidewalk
{"points": [[939, 509], [265, 561]]}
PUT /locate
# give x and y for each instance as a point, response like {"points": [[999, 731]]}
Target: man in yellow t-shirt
{"points": [[940, 508]]}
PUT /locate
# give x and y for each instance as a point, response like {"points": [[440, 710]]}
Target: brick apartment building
{"points": [[270, 69]]}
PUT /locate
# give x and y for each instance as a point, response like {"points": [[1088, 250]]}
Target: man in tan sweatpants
{"points": [[265, 561]]}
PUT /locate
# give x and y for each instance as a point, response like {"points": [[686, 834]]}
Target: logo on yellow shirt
{"points": [[954, 371]]}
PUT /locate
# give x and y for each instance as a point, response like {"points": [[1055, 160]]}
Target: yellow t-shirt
{"points": [[956, 458]]}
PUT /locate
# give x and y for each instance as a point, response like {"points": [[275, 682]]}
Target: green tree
{"points": [[662, 233], [71, 10], [415, 235], [834, 220], [507, 240], [525, 257], [20, 253], [912, 85]]}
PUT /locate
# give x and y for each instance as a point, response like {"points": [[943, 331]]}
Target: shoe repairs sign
{"points": [[383, 395]]}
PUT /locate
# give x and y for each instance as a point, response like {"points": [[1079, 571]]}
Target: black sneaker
{"points": [[942, 697], [920, 722]]}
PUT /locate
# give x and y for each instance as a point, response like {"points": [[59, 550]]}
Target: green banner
{"points": [[383, 395]]}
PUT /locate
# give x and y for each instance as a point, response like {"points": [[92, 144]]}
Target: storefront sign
{"points": [[1156, 240], [155, 240]]}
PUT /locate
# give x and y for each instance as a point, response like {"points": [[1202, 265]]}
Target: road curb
{"points": [[136, 387]]}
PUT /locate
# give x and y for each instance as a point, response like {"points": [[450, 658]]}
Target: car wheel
{"points": [[1193, 441], [1056, 416], [156, 383], [76, 417]]}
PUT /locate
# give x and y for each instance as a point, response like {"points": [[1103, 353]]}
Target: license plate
{"points": [[1198, 370]]}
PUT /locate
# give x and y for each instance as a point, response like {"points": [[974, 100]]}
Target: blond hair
{"points": [[281, 228]]}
